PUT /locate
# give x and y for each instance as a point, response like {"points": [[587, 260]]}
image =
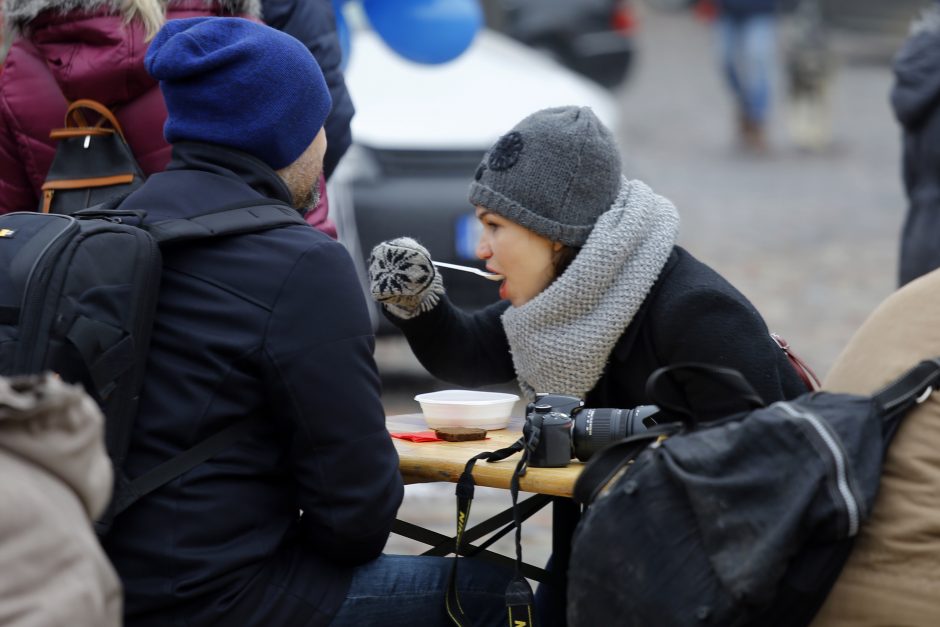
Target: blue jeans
{"points": [[409, 590], [748, 56]]}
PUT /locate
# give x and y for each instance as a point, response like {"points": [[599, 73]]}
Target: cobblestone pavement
{"points": [[810, 238]]}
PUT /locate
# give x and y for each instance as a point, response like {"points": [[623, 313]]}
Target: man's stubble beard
{"points": [[313, 197], [305, 194]]}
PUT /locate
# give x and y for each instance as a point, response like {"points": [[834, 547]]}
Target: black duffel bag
{"points": [[742, 521]]}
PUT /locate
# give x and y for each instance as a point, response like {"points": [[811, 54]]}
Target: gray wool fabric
{"points": [[554, 173], [582, 314]]}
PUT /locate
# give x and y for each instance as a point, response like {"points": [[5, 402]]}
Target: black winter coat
{"points": [[916, 101], [272, 325], [690, 314], [313, 23]]}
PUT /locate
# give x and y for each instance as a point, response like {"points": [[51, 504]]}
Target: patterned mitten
{"points": [[403, 278]]}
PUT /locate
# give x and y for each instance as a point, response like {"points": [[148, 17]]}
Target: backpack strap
{"points": [[247, 217], [128, 492], [74, 118], [252, 216], [912, 388]]}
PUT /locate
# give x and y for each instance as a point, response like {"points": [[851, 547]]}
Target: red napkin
{"points": [[418, 436]]}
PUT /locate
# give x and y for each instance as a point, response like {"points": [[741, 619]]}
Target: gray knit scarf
{"points": [[561, 339]]}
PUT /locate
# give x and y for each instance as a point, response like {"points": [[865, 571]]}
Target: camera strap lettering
{"points": [[519, 597]]}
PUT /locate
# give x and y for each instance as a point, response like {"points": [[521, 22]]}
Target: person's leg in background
{"points": [[405, 590], [757, 63], [747, 54], [728, 32]]}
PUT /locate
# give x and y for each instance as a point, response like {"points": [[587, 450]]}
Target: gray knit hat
{"points": [[554, 173]]}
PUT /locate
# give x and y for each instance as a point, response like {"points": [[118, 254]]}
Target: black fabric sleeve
{"points": [[323, 378], [469, 349], [314, 24]]}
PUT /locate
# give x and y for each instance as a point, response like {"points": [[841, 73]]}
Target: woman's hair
{"points": [[563, 258], [150, 13]]}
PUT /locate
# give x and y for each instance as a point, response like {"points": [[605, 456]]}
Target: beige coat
{"points": [[893, 575], [55, 477]]}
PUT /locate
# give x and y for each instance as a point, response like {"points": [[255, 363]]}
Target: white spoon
{"points": [[485, 275]]}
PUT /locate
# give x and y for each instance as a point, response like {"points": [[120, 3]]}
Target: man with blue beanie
{"points": [[284, 525]]}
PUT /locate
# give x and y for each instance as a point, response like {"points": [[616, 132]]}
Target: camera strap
{"points": [[519, 597]]}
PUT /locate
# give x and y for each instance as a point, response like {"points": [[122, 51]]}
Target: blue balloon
{"points": [[426, 31], [342, 32]]}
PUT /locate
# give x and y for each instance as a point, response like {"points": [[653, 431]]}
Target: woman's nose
{"points": [[483, 248]]}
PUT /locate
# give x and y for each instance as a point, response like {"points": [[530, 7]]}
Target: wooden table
{"points": [[422, 462]]}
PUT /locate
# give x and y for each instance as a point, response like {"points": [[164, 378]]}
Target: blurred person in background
{"points": [[62, 50], [57, 479], [915, 98], [57, 51], [809, 70], [747, 37], [596, 293], [314, 24]]}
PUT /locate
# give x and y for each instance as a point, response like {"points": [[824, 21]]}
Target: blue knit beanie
{"points": [[233, 82]]}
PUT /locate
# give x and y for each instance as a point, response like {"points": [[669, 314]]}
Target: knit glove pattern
{"points": [[403, 278]]}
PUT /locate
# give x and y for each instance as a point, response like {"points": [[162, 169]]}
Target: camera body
{"points": [[558, 428]]}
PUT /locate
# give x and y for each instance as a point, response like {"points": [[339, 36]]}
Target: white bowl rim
{"points": [[495, 398]]}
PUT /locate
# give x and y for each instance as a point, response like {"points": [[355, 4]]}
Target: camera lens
{"points": [[596, 428]]}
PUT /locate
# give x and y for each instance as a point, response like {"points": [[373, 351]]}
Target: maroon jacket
{"points": [[82, 53]]}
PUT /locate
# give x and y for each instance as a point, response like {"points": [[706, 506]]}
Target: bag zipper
{"points": [[838, 455]]}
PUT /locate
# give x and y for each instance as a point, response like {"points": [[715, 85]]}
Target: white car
{"points": [[419, 134]]}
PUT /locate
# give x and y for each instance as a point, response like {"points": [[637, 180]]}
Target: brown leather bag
{"points": [[92, 163]]}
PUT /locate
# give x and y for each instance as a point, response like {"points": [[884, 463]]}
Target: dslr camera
{"points": [[558, 428]]}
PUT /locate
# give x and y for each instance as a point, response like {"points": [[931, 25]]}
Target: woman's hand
{"points": [[403, 278]]}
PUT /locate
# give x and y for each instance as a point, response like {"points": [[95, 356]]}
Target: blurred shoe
{"points": [[752, 136]]}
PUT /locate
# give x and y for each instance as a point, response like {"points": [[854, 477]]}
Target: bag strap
{"points": [[806, 374], [251, 216], [248, 217], [74, 118], [912, 388], [129, 493], [605, 465], [665, 387]]}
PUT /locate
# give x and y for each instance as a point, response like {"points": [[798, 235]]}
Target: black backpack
{"points": [[743, 521], [78, 296], [92, 162]]}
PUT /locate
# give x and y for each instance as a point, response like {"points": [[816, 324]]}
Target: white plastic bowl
{"points": [[467, 408]]}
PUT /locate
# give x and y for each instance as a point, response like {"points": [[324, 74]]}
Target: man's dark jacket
{"points": [[271, 325], [916, 101], [690, 314], [313, 23]]}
